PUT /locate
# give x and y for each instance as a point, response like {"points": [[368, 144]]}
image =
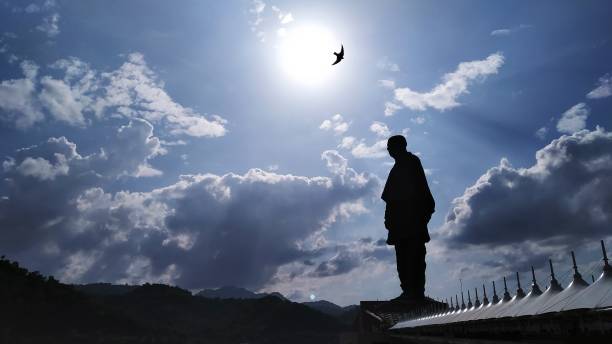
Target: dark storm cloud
{"points": [[348, 257], [525, 214], [41, 214], [203, 231]]}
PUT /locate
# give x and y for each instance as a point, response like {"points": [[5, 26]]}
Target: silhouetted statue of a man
{"points": [[409, 205]]}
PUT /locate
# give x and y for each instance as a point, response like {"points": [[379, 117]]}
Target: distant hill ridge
{"points": [[230, 292]]}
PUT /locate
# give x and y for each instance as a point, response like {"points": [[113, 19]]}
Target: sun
{"points": [[306, 53]]}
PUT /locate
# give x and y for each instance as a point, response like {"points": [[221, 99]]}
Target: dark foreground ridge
{"points": [[38, 309]]}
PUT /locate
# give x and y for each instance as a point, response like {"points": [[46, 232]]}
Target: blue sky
{"points": [[182, 143]]}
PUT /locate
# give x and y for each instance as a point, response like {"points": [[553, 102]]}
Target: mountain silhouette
{"points": [[39, 309]]}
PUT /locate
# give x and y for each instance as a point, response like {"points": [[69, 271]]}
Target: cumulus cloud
{"points": [[348, 257], [380, 129], [365, 151], [337, 124], [444, 96], [391, 108], [574, 119], [62, 220], [603, 90], [347, 142], [387, 65], [17, 98], [64, 103], [521, 215]]}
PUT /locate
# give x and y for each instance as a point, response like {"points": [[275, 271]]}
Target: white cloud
{"points": [[380, 129], [418, 120], [501, 32], [391, 108], [17, 98], [375, 151], [603, 90], [347, 142], [444, 96], [134, 86], [256, 10], [508, 32], [284, 18], [50, 25], [387, 65], [43, 169], [64, 103], [390, 84], [336, 124], [573, 119], [541, 133], [32, 8], [132, 91]]}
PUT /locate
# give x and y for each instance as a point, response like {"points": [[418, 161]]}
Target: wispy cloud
{"points": [[84, 95], [390, 84], [510, 31], [387, 65], [541, 133], [574, 119], [259, 14], [418, 120], [50, 25], [444, 96], [603, 90]]}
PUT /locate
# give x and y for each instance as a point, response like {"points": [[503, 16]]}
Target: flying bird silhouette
{"points": [[339, 56]]}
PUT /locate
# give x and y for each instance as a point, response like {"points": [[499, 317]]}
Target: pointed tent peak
{"points": [[554, 284], [462, 301], [485, 300], [456, 303], [577, 276], [605, 257], [575, 267], [552, 271], [592, 278], [535, 288], [507, 296], [469, 305], [495, 297], [477, 301], [519, 291]]}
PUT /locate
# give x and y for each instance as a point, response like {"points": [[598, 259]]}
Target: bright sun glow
{"points": [[306, 53]]}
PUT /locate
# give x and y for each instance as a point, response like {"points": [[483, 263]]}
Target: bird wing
{"points": [[339, 56]]}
